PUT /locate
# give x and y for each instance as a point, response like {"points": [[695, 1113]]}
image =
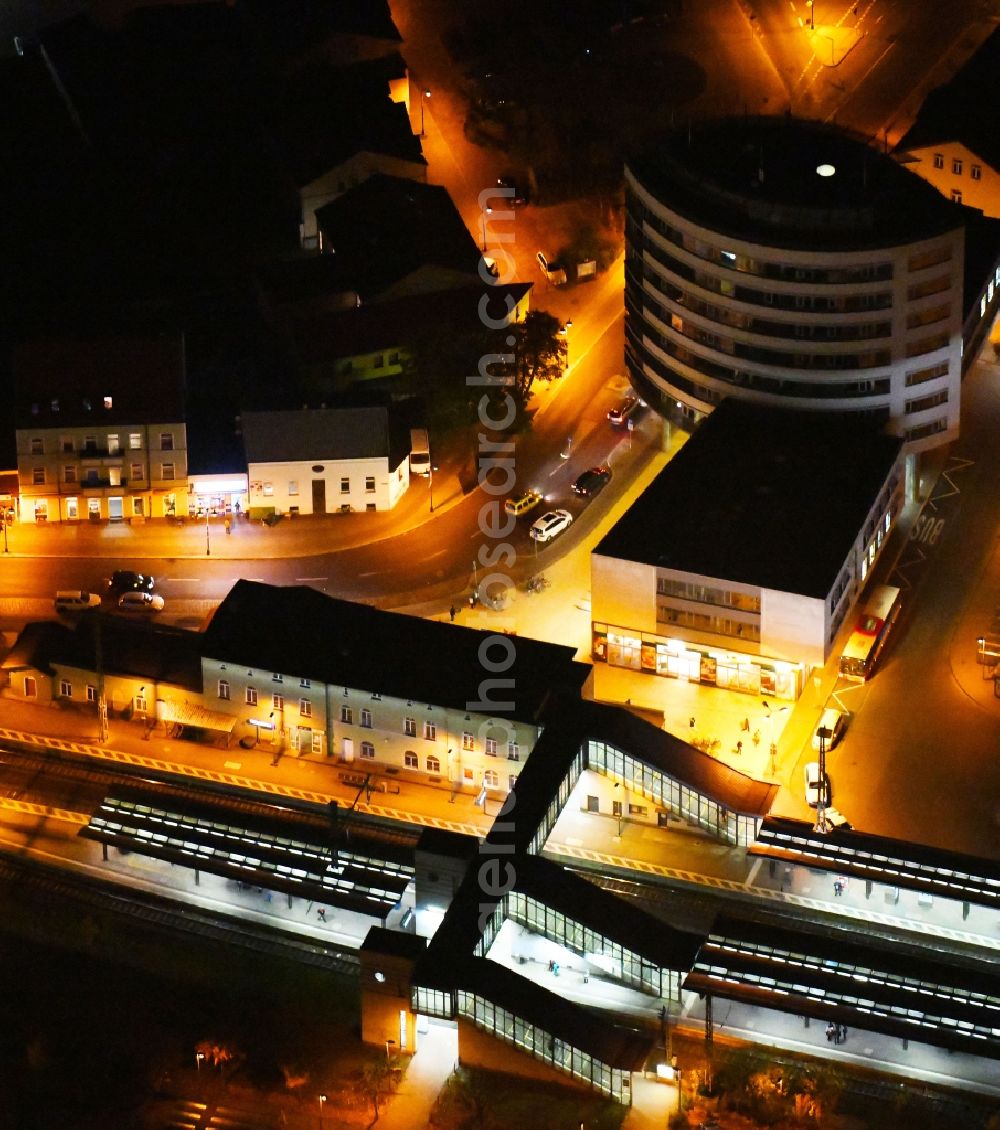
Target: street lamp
{"points": [[488, 211], [208, 536], [565, 333], [423, 99], [810, 4], [824, 733], [322, 1103], [198, 1058], [8, 513], [431, 483], [981, 641]]}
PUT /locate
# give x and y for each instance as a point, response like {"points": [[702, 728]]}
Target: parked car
{"points": [[517, 195], [550, 524], [817, 788], [832, 723], [621, 413], [123, 580], [76, 600], [593, 481], [553, 271], [519, 504], [137, 601]]}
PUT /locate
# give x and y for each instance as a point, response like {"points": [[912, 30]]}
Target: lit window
{"points": [[109, 402], [135, 440], [114, 445], [305, 708], [268, 489], [956, 196], [467, 741], [293, 486], [224, 689], [468, 775]]}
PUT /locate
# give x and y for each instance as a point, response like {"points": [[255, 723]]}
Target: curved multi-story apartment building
{"points": [[786, 262]]}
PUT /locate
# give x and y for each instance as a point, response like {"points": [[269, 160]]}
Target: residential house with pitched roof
{"points": [[325, 460], [390, 236], [100, 428]]}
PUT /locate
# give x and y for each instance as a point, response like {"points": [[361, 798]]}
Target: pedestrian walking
{"points": [[756, 738], [321, 913], [229, 526], [691, 722], [739, 747], [831, 1032], [453, 612], [746, 726]]}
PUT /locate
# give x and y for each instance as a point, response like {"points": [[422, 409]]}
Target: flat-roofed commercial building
{"points": [[787, 263], [737, 566]]}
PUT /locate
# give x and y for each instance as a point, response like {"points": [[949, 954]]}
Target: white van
{"points": [[420, 452], [833, 721], [76, 600]]}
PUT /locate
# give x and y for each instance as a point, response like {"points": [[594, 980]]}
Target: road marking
{"points": [[311, 578], [193, 580], [371, 573]]}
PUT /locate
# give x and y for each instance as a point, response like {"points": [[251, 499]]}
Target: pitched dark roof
{"points": [[393, 323], [324, 433], [64, 383], [764, 496], [156, 652], [387, 227], [756, 178], [300, 632], [34, 645], [293, 25], [964, 109], [365, 120]]}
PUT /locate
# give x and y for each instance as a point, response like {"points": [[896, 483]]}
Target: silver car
{"points": [[550, 524], [138, 601]]}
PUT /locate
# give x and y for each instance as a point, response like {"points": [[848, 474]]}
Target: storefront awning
{"points": [[188, 714]]}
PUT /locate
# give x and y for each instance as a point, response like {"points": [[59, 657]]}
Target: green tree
{"points": [[377, 1080], [536, 353]]}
